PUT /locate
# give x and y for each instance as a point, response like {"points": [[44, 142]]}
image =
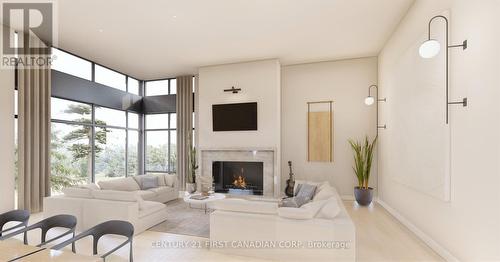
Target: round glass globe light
{"points": [[429, 48], [369, 100]]}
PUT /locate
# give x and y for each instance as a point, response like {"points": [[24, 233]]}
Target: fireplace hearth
{"points": [[238, 177]]}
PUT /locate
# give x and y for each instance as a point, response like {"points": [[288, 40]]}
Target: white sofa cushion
{"points": [[324, 192], [307, 211], [160, 177], [90, 186], [242, 205], [115, 195], [77, 192], [161, 190], [170, 179], [330, 209], [146, 194], [119, 184]]}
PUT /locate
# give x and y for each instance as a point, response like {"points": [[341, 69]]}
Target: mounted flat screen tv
{"points": [[235, 117]]}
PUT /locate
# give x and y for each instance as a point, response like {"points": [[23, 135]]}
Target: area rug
{"points": [[183, 220]]}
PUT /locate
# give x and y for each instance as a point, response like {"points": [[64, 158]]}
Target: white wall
{"points": [[467, 227], [260, 82], [6, 139], [345, 82]]}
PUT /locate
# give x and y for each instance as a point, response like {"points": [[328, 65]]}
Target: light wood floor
{"points": [[379, 237]]}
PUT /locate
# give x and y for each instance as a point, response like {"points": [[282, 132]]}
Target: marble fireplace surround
{"points": [[265, 155]]}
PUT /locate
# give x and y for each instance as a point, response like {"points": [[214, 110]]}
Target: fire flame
{"points": [[240, 182]]}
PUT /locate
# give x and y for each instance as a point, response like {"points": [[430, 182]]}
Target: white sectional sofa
{"points": [[121, 199], [320, 230]]}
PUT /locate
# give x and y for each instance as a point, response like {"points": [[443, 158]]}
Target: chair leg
{"points": [[73, 244], [131, 259], [44, 235], [25, 238], [94, 241]]}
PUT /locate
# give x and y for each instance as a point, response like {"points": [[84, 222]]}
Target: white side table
{"points": [[204, 202]]}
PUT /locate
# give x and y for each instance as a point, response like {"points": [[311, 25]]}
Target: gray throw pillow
{"points": [[293, 202], [149, 182], [297, 189], [306, 190]]}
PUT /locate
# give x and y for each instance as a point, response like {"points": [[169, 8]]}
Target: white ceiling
{"points": [[151, 39]]}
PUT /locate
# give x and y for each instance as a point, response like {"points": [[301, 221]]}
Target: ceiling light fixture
{"points": [[431, 48]]}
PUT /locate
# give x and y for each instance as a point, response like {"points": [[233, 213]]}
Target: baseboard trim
{"points": [[440, 250]]}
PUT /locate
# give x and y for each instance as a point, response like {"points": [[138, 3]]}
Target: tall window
{"points": [[87, 148], [71, 143], [93, 143], [161, 139], [110, 143], [132, 144]]}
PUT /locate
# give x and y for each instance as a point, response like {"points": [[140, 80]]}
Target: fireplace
{"points": [[236, 177]]}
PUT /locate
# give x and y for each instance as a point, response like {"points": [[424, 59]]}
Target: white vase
{"points": [[190, 187]]}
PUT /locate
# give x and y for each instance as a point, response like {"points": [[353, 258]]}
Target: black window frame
{"points": [[169, 91], [93, 126], [169, 130], [141, 130]]}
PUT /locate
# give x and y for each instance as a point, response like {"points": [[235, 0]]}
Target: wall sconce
{"points": [[233, 90], [369, 100], [431, 47]]}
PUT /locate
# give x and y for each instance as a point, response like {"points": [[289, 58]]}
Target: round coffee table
{"points": [[203, 202]]}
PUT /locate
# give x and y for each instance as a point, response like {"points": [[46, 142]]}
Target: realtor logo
{"points": [[28, 33], [25, 18]]}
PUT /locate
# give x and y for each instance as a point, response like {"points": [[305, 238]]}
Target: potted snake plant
{"points": [[191, 175], [363, 156]]}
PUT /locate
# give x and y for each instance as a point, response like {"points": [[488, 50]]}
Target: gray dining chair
{"points": [[112, 227], [21, 216], [64, 221]]}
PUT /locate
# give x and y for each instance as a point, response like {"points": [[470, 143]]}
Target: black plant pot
{"points": [[363, 196]]}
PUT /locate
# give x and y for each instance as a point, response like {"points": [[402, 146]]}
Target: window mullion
{"points": [[92, 143], [126, 144], [169, 166]]}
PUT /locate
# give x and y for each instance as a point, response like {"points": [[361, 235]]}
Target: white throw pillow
{"points": [[170, 179], [330, 210], [307, 211], [120, 184], [77, 192], [140, 179], [116, 195], [324, 192]]}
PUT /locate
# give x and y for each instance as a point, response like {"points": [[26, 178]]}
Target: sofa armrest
{"points": [[96, 211], [56, 205], [171, 180]]}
